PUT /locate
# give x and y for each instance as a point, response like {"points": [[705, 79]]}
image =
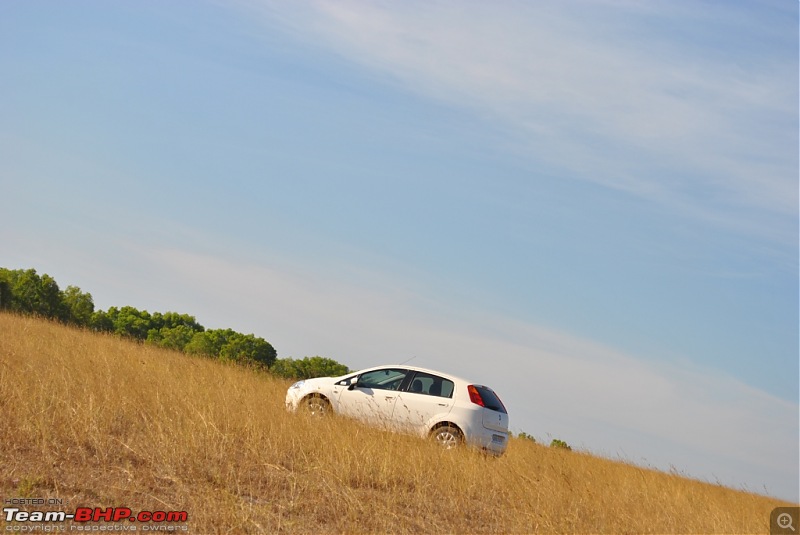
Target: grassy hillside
{"points": [[103, 422]]}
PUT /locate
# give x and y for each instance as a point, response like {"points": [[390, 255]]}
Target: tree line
{"points": [[27, 292]]}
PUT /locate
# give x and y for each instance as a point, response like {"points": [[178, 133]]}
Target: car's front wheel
{"points": [[316, 405], [447, 436]]}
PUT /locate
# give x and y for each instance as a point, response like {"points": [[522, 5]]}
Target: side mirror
{"points": [[353, 384]]}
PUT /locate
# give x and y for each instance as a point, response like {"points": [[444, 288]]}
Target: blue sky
{"points": [[590, 206]]}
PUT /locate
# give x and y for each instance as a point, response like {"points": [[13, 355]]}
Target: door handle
{"points": [[442, 404], [389, 397]]}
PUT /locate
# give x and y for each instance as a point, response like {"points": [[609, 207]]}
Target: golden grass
{"points": [[104, 422]]}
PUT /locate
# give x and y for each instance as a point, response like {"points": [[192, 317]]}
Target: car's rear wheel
{"points": [[316, 405], [447, 436]]}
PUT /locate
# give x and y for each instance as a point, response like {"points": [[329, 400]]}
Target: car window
{"points": [[384, 379], [430, 385], [490, 399]]}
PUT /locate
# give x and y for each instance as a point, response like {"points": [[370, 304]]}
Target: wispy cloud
{"points": [[657, 99]]}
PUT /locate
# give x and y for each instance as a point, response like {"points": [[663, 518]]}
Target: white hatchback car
{"points": [[416, 400]]}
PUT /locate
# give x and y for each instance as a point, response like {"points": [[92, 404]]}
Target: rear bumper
{"points": [[488, 440]]}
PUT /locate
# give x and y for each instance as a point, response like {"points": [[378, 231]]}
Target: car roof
{"points": [[414, 368]]}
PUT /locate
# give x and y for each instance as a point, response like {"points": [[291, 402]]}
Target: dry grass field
{"points": [[101, 422]]}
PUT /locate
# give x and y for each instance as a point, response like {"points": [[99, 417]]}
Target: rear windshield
{"points": [[490, 399]]}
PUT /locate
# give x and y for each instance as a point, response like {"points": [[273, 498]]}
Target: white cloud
{"points": [[597, 89]]}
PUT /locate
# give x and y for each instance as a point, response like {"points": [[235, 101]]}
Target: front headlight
{"points": [[298, 384]]}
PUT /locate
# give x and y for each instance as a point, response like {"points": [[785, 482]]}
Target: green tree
{"points": [[557, 443], [101, 322], [177, 338], [308, 367], [172, 330], [5, 289], [209, 342], [24, 291], [130, 322], [171, 320], [230, 345], [248, 348], [200, 344], [78, 307], [32, 294]]}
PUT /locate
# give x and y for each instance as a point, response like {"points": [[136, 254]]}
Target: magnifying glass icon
{"points": [[784, 521]]}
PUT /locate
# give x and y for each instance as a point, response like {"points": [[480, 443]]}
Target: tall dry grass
{"points": [[102, 422]]}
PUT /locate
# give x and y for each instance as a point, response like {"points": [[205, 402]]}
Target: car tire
{"points": [[316, 405], [447, 436]]}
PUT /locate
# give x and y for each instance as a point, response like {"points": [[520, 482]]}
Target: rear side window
{"points": [[490, 399], [430, 385]]}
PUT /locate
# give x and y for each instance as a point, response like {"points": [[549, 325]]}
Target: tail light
{"points": [[475, 396], [486, 397]]}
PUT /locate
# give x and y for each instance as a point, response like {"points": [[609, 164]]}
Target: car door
{"points": [[425, 398], [372, 396], [336, 392]]}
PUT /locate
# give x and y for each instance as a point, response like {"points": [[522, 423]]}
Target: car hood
{"points": [[317, 383]]}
